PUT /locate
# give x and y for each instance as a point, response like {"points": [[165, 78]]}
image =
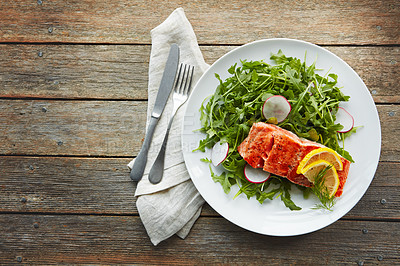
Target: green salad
{"points": [[229, 113]]}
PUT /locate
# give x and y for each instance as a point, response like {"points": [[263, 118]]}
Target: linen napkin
{"points": [[173, 205]]}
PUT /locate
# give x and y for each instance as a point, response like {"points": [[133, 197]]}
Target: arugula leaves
{"points": [[229, 113]]}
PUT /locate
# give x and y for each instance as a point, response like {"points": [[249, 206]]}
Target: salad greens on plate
{"points": [[228, 114]]}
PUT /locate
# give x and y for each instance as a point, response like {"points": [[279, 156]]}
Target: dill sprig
{"points": [[321, 191]]}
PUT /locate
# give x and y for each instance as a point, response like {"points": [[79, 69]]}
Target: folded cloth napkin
{"points": [[173, 205]]}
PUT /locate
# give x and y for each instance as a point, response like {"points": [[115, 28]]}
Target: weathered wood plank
{"points": [[66, 185], [121, 71], [74, 71], [102, 186], [381, 197], [389, 116], [109, 128], [323, 22], [73, 239]]}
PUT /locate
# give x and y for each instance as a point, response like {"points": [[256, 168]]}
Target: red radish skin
{"points": [[344, 118], [255, 175], [276, 106], [219, 153]]}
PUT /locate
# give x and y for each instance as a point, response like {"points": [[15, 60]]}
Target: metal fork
{"points": [[181, 92]]}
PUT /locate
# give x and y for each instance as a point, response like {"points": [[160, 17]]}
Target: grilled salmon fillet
{"points": [[280, 152]]}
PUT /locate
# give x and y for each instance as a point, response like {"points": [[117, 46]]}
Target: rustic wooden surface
{"points": [[70, 70]]}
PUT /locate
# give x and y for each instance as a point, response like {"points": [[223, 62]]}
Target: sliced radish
{"points": [[219, 153], [255, 175], [345, 119], [276, 106]]}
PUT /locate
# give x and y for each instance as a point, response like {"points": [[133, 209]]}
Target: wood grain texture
{"points": [[88, 21], [73, 103], [102, 186], [90, 128], [66, 185], [382, 195], [106, 239], [121, 71], [109, 128], [74, 71], [389, 116]]}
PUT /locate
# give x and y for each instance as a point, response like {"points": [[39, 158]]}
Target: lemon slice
{"points": [[330, 179], [326, 154]]}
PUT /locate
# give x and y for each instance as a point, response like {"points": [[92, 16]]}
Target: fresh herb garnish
{"points": [[229, 113], [321, 191]]}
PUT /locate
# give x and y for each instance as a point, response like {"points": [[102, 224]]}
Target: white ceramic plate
{"points": [[272, 217]]}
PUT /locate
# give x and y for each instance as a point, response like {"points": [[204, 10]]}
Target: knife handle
{"points": [[157, 170], [140, 162]]}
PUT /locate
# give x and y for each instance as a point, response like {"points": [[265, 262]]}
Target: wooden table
{"points": [[73, 99]]}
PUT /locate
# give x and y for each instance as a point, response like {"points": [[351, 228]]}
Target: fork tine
{"points": [[190, 81], [189, 78], [184, 79], [178, 78], [183, 84]]}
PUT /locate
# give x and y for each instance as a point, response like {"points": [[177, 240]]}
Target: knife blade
{"points": [[166, 85]]}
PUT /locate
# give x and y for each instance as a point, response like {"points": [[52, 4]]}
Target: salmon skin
{"points": [[279, 152]]}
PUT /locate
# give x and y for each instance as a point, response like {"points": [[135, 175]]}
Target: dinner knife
{"points": [[167, 82]]}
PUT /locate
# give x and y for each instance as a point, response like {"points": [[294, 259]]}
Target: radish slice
{"points": [[255, 175], [219, 153], [276, 106], [345, 119]]}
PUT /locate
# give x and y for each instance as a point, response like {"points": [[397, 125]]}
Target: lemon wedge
{"points": [[330, 179], [326, 154]]}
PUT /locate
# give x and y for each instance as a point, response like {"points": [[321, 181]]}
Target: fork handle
{"points": [[141, 160], [157, 170]]}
